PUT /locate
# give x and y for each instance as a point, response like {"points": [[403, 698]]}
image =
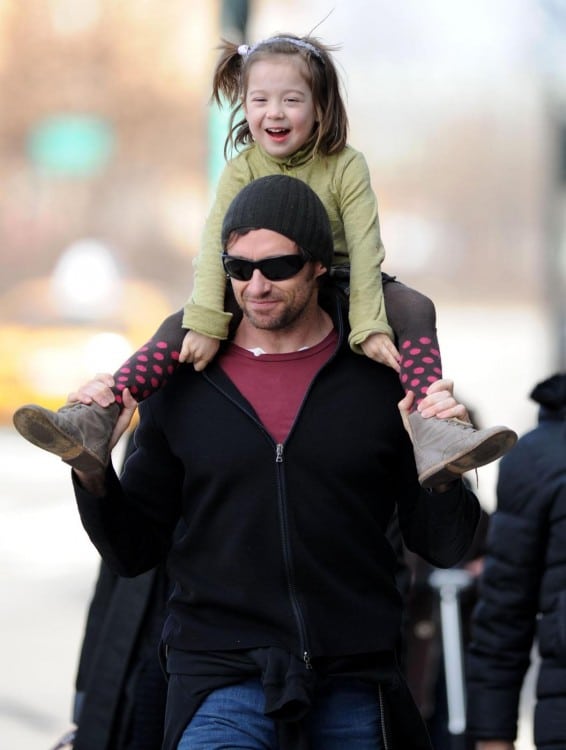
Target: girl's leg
{"points": [[444, 448], [413, 318], [150, 367], [79, 433]]}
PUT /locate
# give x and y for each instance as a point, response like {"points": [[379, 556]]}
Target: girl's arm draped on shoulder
{"points": [[204, 312], [361, 228], [198, 349]]}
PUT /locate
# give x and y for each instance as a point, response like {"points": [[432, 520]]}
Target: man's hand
{"points": [[495, 745], [99, 390], [379, 347], [198, 349], [439, 402]]}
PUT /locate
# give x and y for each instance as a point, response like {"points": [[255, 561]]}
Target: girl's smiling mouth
{"points": [[277, 134]]}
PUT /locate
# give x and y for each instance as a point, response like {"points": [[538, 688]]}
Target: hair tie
{"points": [[245, 50]]}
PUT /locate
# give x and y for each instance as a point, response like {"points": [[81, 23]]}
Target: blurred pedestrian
{"points": [[523, 587], [120, 687], [423, 654]]}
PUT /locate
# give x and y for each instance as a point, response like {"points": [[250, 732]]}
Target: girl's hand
{"points": [[379, 347], [198, 349]]}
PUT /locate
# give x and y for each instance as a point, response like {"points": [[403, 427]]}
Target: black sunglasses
{"points": [[275, 269]]}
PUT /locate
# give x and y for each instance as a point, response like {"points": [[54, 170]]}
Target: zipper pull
{"points": [[307, 660], [279, 453]]}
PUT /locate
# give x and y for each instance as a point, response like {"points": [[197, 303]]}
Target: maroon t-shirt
{"points": [[275, 384]]}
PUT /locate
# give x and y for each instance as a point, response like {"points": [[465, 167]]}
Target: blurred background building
{"points": [[108, 145], [109, 152]]}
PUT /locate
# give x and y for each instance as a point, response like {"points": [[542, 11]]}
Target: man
{"points": [[286, 458], [522, 596]]}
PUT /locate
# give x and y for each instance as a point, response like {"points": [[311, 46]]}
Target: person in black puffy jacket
{"points": [[523, 587]]}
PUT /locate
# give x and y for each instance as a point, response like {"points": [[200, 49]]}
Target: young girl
{"points": [[289, 117]]}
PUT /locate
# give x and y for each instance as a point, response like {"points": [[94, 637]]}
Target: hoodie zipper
{"points": [[383, 718], [288, 557], [283, 519], [283, 525], [281, 499]]}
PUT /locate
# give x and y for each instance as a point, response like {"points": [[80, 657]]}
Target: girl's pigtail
{"points": [[226, 81]]}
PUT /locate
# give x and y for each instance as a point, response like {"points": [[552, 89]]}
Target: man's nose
{"points": [[258, 282]]}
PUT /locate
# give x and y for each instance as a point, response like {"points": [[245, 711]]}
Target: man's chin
{"points": [[266, 320], [261, 311], [263, 322]]}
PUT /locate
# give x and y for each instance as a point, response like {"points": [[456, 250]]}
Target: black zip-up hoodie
{"points": [[285, 545]]}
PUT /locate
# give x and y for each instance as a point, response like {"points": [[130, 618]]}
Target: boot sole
{"points": [[34, 424], [493, 447]]}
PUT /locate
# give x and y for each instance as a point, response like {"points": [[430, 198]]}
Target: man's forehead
{"points": [[259, 240]]}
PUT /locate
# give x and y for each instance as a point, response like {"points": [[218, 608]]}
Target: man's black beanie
{"points": [[286, 205]]}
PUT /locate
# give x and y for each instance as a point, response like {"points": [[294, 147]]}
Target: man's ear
{"points": [[319, 269]]}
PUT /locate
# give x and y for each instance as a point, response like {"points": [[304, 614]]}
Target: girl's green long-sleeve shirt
{"points": [[342, 182]]}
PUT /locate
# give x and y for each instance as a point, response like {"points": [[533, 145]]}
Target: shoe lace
{"points": [[66, 740]]}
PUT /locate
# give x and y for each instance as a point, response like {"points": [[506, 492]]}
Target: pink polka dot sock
{"points": [[150, 367], [420, 365]]}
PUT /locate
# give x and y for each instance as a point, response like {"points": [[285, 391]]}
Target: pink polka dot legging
{"points": [[150, 367], [411, 315], [413, 319]]}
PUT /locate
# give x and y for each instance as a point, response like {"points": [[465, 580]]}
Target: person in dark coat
{"points": [[120, 685], [423, 655], [523, 587]]}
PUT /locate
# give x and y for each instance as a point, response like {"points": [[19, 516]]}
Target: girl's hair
{"points": [[230, 82]]}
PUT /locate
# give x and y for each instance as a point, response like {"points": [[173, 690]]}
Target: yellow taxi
{"points": [[48, 350]]}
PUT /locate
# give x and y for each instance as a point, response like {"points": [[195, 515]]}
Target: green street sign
{"points": [[71, 144]]}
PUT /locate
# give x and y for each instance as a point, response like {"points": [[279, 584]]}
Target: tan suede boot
{"points": [[446, 448], [78, 433]]}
